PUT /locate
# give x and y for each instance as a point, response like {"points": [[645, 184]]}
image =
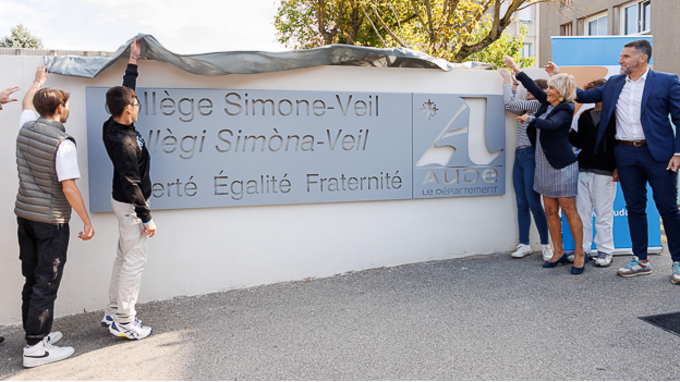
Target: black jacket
{"points": [[554, 128], [602, 161], [131, 160]]}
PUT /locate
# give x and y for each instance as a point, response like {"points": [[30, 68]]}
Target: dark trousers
{"points": [[636, 167], [42, 250]]}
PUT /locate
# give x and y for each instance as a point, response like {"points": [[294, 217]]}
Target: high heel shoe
{"points": [[561, 260], [578, 271]]}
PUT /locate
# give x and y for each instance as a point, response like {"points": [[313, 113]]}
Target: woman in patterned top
{"points": [[523, 170], [556, 175]]}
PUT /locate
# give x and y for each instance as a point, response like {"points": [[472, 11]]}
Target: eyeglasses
{"points": [[137, 104]]}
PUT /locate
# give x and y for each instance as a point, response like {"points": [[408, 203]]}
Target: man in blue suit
{"points": [[635, 112]]}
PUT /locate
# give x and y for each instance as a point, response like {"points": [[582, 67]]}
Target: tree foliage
{"points": [[21, 37], [505, 45], [449, 29]]}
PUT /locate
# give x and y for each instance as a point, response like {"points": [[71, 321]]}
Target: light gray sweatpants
{"points": [[126, 277], [597, 192]]}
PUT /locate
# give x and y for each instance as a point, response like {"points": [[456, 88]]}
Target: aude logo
{"points": [[458, 145]]}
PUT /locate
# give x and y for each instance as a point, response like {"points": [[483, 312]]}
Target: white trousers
{"points": [[596, 192], [126, 277]]}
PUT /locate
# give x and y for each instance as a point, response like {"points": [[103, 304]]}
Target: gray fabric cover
{"points": [[243, 62], [40, 196]]}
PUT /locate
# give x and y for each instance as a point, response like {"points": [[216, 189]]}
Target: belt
{"points": [[633, 143]]}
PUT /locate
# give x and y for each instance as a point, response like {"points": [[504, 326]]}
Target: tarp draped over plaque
{"points": [[244, 62]]}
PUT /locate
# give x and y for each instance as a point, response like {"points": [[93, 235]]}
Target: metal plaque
{"points": [[220, 148], [458, 145]]}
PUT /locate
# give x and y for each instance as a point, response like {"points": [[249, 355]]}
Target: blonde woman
{"points": [[556, 175]]}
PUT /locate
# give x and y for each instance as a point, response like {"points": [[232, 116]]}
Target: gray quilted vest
{"points": [[40, 196]]}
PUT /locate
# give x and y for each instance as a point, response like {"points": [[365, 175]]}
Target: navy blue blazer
{"points": [[660, 98], [554, 128]]}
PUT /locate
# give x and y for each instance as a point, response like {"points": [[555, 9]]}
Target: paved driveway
{"points": [[485, 317]]}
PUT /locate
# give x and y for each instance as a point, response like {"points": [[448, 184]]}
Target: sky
{"points": [[182, 26]]}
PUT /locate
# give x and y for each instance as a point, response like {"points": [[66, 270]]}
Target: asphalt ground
{"points": [[475, 318]]}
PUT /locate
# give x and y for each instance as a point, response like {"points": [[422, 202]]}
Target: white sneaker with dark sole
{"points": [[43, 353], [133, 330]]}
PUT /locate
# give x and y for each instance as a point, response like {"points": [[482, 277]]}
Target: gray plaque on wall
{"points": [[220, 148]]}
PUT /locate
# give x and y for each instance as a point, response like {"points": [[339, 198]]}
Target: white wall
{"points": [[208, 250]]}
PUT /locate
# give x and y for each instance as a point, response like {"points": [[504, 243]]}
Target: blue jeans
{"points": [[636, 167], [527, 198]]}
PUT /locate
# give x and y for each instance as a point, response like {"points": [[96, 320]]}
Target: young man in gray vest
{"points": [[130, 202], [47, 163]]}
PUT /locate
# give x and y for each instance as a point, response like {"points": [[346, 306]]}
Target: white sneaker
{"points": [[43, 353], [108, 320], [133, 330], [547, 252], [521, 251], [54, 337], [603, 259]]}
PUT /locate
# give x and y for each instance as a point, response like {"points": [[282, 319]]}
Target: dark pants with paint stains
{"points": [[42, 250]]}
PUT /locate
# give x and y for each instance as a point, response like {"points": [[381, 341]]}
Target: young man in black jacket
{"points": [[596, 182], [129, 199]]}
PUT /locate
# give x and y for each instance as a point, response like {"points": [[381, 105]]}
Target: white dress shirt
{"points": [[629, 109]]}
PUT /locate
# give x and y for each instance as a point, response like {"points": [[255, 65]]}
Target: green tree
{"points": [[21, 37], [505, 45], [449, 29]]}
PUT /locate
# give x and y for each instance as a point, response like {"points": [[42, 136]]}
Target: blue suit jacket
{"points": [[660, 98]]}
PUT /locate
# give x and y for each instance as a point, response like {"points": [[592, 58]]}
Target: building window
{"points": [[525, 15], [636, 17], [565, 30], [526, 50], [596, 25]]}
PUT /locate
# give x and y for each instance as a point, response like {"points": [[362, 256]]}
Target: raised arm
{"points": [[552, 68], [526, 81], [40, 78], [130, 77], [512, 104]]}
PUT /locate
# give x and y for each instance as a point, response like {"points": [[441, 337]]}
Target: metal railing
{"points": [[53, 52]]}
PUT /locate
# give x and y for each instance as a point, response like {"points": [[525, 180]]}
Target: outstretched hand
{"points": [[552, 68], [4, 95], [523, 118], [135, 51], [41, 75], [510, 62]]}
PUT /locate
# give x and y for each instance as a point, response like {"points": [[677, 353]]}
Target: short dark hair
{"points": [[595, 84], [542, 83], [47, 100], [118, 98], [641, 47]]}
